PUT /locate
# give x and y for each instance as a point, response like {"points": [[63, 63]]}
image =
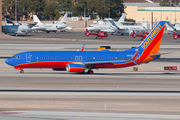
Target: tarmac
{"points": [[150, 93]]}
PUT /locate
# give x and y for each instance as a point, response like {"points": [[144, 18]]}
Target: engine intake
{"points": [[74, 67]]}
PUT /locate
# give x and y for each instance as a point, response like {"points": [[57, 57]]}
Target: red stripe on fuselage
{"points": [[48, 64]]}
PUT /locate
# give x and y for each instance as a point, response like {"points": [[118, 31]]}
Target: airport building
{"points": [[142, 10]]}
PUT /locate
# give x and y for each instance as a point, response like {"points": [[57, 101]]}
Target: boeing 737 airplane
{"points": [[51, 27], [79, 61]]}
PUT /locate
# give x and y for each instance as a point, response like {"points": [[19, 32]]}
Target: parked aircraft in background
{"points": [[144, 35], [175, 29], [112, 27], [102, 27], [99, 34], [51, 27], [79, 61], [127, 29], [16, 29]]}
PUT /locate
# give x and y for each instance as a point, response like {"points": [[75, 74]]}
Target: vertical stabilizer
{"points": [[36, 19], [9, 21], [122, 18], [64, 18], [151, 43]]}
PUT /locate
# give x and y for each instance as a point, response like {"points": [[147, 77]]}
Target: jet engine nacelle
{"points": [[74, 67]]}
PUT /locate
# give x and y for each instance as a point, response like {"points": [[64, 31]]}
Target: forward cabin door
{"points": [[28, 57]]}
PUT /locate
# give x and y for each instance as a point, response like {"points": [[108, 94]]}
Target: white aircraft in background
{"points": [[16, 29], [175, 29], [51, 27], [113, 27]]}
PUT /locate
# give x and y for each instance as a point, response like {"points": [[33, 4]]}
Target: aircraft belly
{"points": [[46, 64]]}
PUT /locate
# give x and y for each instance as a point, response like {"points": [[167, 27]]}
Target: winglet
{"points": [[82, 48]]}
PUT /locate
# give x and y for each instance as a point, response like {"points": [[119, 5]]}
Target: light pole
{"points": [[16, 10], [175, 14], [84, 17], [161, 13], [170, 10], [0, 16]]}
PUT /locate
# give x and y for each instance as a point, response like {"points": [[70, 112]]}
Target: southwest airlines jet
{"points": [[79, 61]]}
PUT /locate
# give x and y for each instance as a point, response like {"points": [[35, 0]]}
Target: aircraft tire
{"points": [[22, 71], [90, 72]]}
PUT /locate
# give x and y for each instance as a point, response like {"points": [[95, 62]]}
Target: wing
{"points": [[100, 63]]}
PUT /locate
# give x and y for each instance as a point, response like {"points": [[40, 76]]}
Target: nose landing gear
{"points": [[22, 71]]}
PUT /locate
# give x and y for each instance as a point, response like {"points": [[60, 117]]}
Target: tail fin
{"points": [[9, 21], [36, 19], [64, 18], [122, 18], [151, 43]]}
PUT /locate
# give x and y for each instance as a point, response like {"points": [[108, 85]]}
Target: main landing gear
{"points": [[90, 72], [22, 71]]}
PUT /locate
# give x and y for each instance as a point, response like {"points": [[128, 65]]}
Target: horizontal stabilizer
{"points": [[153, 55]]}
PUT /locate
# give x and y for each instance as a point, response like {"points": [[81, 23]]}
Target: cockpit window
{"points": [[16, 57], [90, 26], [36, 26]]}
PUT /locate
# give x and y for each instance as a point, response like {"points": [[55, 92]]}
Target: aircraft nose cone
{"points": [[8, 61]]}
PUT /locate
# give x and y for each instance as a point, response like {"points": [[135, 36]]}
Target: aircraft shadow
{"points": [[20, 35], [102, 74]]}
